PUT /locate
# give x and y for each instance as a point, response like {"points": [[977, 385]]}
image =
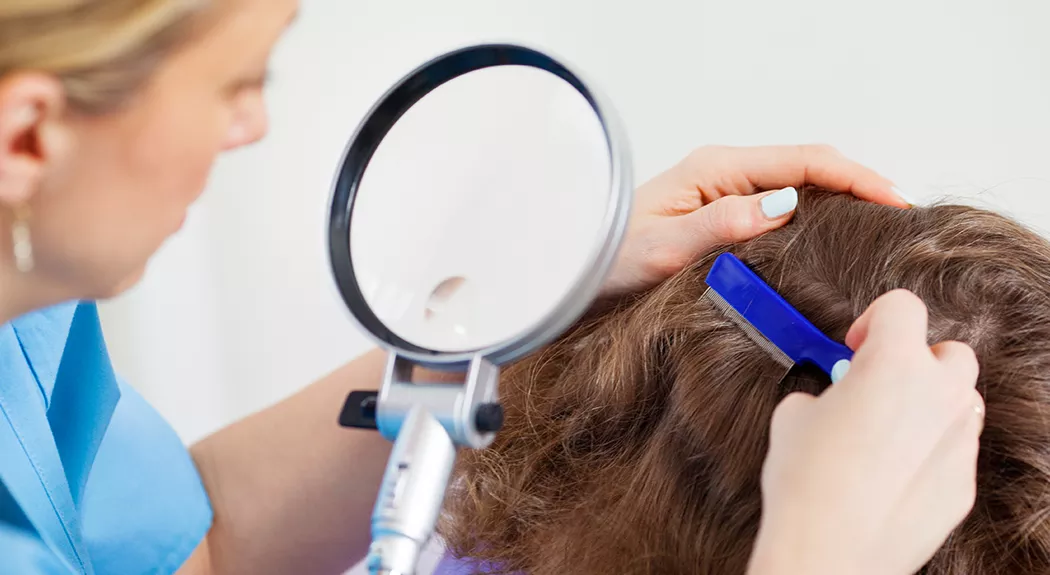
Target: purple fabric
{"points": [[449, 565]]}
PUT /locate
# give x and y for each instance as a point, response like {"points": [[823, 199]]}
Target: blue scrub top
{"points": [[92, 479]]}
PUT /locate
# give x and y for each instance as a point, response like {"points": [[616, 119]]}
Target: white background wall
{"points": [[944, 96]]}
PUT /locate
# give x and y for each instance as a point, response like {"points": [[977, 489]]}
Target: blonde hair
{"points": [[101, 50]]}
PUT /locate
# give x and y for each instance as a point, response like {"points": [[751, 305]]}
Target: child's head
{"points": [[635, 443]]}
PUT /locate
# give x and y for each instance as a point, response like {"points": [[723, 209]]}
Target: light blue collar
{"points": [[47, 447], [43, 335]]}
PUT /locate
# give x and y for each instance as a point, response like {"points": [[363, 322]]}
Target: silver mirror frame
{"points": [[375, 126]]}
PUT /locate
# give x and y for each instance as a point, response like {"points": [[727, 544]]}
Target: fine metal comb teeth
{"points": [[769, 347], [770, 321]]}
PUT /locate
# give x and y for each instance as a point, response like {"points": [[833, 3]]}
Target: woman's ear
{"points": [[31, 113]]}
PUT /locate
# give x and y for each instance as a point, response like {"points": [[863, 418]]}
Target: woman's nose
{"points": [[248, 127]]}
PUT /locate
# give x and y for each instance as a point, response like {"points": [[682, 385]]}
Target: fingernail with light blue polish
{"points": [[779, 203], [911, 201], [838, 371]]}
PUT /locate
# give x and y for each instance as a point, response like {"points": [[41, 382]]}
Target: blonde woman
{"points": [[111, 114]]}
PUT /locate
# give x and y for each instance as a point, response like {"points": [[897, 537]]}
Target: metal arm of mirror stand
{"points": [[427, 422]]}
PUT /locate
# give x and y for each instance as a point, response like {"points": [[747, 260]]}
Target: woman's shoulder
{"points": [[129, 481], [144, 481]]}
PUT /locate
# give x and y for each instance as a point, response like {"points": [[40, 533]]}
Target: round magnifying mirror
{"points": [[479, 207]]}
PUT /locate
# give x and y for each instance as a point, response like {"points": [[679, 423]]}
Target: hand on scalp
{"points": [[872, 476], [720, 195]]}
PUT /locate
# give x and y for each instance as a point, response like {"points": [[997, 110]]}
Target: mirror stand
{"points": [[469, 412], [427, 423]]}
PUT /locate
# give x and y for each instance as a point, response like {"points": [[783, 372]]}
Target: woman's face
{"points": [[112, 188]]}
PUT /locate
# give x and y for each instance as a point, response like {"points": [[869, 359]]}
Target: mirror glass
{"points": [[481, 208]]}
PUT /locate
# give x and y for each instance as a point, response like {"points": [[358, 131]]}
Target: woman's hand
{"points": [[711, 198], [872, 476]]}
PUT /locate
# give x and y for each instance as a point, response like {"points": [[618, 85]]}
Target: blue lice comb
{"points": [[770, 321]]}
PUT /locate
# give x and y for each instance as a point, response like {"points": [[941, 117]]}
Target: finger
{"points": [[771, 167], [897, 316], [826, 168], [791, 410], [944, 488], [952, 465], [979, 409], [733, 219], [959, 359]]}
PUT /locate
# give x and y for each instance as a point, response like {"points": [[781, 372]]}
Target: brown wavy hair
{"points": [[634, 444]]}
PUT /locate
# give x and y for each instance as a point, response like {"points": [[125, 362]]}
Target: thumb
{"points": [[732, 219]]}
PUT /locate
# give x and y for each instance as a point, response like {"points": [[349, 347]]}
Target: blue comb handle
{"points": [[774, 317]]}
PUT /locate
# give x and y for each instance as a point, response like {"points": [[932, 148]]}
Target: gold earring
{"points": [[21, 241]]}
